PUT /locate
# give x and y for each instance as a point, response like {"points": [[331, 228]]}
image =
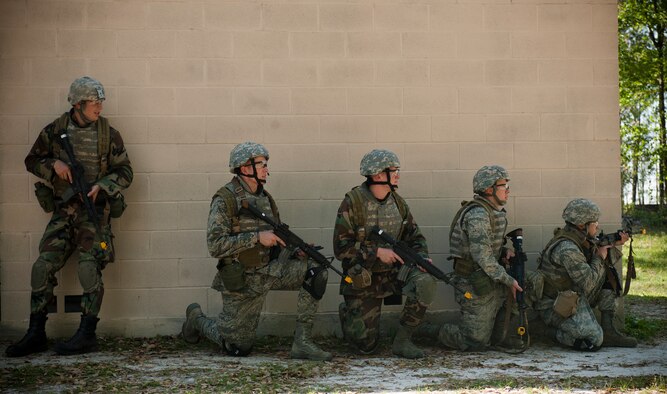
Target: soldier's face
{"points": [[261, 166], [91, 109], [502, 191]]}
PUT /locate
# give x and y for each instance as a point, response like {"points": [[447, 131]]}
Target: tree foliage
{"points": [[642, 26]]}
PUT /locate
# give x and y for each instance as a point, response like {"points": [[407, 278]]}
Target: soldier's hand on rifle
{"points": [[515, 288], [269, 239], [62, 170], [388, 256], [509, 254], [624, 238], [602, 251], [92, 194]]}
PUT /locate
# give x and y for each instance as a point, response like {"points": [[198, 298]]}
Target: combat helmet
{"points": [[376, 161], [487, 176], [85, 88], [245, 151], [581, 211]]}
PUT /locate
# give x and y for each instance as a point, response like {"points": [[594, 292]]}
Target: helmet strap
{"points": [[260, 182], [370, 181], [83, 117]]}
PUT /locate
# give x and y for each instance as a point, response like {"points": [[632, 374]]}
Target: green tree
{"points": [[642, 28]]}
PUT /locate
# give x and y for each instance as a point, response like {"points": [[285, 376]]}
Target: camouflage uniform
{"points": [[360, 313], [70, 228], [569, 262], [476, 241], [233, 238]]}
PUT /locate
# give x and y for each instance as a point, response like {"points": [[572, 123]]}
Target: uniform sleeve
{"points": [[345, 243], [413, 236], [221, 241], [585, 276], [119, 175], [40, 159], [477, 225]]}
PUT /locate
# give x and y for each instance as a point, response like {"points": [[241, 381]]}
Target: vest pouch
{"points": [[566, 303], [255, 257], [361, 277], [117, 206], [481, 283], [103, 249], [232, 275], [44, 196]]}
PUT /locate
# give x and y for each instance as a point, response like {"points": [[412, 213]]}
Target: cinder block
{"points": [[310, 157], [347, 129], [373, 45], [139, 190], [452, 184], [401, 17], [302, 214], [196, 272], [288, 186], [605, 17], [116, 15], [289, 17], [478, 100], [260, 44], [439, 211], [455, 128], [54, 14], [150, 216], [605, 154], [178, 244], [346, 17], [172, 15], [193, 215], [151, 274], [436, 45], [538, 99], [289, 72], [514, 17], [145, 43], [320, 45], [202, 44], [15, 306], [456, 17], [550, 154], [592, 45], [149, 303], [151, 158], [28, 43], [512, 128], [134, 130], [457, 73], [402, 73], [565, 72], [94, 43], [565, 17], [13, 71], [327, 101], [176, 72], [15, 246], [336, 184], [607, 126], [476, 155], [179, 187], [292, 130], [14, 218], [569, 182], [592, 99], [538, 45], [416, 184], [232, 16], [133, 245], [510, 72], [25, 100], [146, 101], [204, 101], [567, 127], [233, 129], [13, 13], [526, 183], [14, 130], [347, 73], [610, 212], [395, 128], [11, 159], [200, 158], [265, 101], [15, 188], [484, 45], [113, 72], [607, 182], [606, 72], [232, 72], [545, 211], [381, 101], [176, 130]]}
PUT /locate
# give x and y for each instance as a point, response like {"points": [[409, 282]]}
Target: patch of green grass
{"points": [[645, 329], [650, 254]]}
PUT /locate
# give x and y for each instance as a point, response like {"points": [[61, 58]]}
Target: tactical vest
{"points": [[555, 277], [368, 212], [459, 250], [233, 193]]}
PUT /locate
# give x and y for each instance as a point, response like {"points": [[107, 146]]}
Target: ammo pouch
{"points": [[361, 277], [232, 274], [103, 249], [480, 282], [116, 206], [566, 303], [44, 196]]}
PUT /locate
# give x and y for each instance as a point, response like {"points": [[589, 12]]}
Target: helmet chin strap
{"points": [[260, 182], [370, 181], [82, 116]]}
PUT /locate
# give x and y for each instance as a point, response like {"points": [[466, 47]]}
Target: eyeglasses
{"points": [[505, 186], [396, 170], [259, 164], [94, 102]]}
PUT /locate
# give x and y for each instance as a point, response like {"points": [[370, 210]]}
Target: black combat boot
{"points": [[611, 336], [83, 341], [34, 341]]}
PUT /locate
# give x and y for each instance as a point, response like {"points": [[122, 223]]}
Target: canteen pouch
{"points": [[232, 275], [117, 206], [566, 303], [44, 196], [361, 277], [481, 283]]}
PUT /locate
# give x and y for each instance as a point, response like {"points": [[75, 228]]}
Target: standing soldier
{"points": [[372, 265], [252, 260], [476, 241], [99, 151], [575, 280]]}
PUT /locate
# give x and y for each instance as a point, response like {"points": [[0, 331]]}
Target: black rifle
{"points": [[517, 270], [283, 232], [613, 276], [412, 258], [80, 186]]}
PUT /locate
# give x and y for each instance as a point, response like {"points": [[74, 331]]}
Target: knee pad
{"points": [[315, 281], [90, 276], [39, 275], [235, 350], [585, 345], [425, 289]]}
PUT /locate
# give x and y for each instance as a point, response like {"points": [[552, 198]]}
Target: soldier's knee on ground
{"points": [[425, 288], [237, 350], [90, 276]]}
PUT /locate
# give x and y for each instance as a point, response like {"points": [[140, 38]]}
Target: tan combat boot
{"points": [[611, 336], [189, 331], [403, 345], [304, 348]]}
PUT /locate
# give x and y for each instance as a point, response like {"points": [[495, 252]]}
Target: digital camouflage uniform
{"points": [[569, 262], [233, 237], [360, 313]]}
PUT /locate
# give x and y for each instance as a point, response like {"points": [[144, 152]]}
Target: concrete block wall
{"points": [[448, 85]]}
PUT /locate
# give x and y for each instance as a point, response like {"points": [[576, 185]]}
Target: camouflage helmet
{"points": [[244, 152], [487, 176], [377, 160], [85, 88], [581, 211]]}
